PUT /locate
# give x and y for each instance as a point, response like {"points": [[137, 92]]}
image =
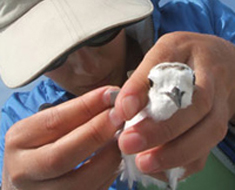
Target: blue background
{"points": [[6, 92]]}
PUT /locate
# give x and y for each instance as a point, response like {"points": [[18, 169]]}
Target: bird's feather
{"points": [[172, 89]]}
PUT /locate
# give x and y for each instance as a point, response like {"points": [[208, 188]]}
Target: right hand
{"points": [[42, 151], [185, 139]]}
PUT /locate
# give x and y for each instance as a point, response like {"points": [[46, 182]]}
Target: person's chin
{"points": [[82, 89]]}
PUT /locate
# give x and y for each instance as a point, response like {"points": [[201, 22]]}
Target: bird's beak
{"points": [[176, 96]]}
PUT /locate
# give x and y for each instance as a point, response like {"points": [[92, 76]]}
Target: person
{"points": [[61, 135]]}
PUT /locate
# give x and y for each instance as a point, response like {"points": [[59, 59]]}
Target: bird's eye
{"points": [[150, 83], [194, 79]]}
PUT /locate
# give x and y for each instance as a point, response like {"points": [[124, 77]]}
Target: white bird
{"points": [[171, 89]]}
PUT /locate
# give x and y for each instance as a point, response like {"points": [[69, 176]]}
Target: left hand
{"points": [[188, 136], [42, 151]]}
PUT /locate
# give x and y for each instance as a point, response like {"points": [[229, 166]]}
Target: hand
{"points": [[42, 151], [187, 138]]}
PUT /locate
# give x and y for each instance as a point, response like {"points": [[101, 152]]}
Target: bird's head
{"points": [[172, 82]]}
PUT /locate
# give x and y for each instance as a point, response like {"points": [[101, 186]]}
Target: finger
{"points": [[49, 125], [148, 134], [195, 166], [62, 156], [105, 166], [133, 95], [159, 175], [188, 147], [190, 169], [92, 175]]}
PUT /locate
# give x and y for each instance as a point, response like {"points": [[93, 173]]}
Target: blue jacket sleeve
{"points": [[5, 123], [8, 118], [202, 16], [223, 19]]}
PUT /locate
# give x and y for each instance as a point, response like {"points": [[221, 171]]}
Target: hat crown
{"points": [[54, 27], [11, 10]]}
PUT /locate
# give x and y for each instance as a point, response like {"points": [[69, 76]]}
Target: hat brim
{"points": [[45, 32]]}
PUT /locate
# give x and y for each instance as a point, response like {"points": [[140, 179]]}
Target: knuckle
{"points": [[100, 130], [174, 42], [96, 135], [181, 36], [53, 163], [14, 174], [220, 130], [12, 137], [86, 108], [175, 38], [205, 104], [52, 119], [15, 178], [9, 139], [199, 165]]}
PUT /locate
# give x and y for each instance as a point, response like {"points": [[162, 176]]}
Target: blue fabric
{"points": [[203, 16], [227, 146]]}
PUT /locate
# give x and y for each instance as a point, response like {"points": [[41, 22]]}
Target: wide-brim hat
{"points": [[34, 33]]}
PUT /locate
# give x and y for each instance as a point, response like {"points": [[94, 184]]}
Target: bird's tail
{"points": [[173, 176], [130, 172], [128, 169]]}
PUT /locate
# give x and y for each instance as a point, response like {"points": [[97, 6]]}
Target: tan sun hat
{"points": [[34, 33]]}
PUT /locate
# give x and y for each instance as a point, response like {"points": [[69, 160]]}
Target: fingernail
{"points": [[115, 119], [113, 96], [147, 163], [110, 95], [130, 106]]}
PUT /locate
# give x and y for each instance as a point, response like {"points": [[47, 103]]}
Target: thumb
{"points": [[133, 95]]}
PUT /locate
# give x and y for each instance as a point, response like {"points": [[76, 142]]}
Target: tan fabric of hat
{"points": [[36, 32]]}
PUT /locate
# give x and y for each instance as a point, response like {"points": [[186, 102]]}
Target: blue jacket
{"points": [[203, 16]]}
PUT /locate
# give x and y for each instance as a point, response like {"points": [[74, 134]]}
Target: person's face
{"points": [[91, 67]]}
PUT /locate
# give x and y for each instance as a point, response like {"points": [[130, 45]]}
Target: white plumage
{"points": [[171, 88]]}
